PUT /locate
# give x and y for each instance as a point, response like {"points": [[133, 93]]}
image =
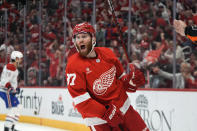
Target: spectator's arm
{"points": [[168, 55], [165, 74], [179, 27], [179, 52], [48, 50]]}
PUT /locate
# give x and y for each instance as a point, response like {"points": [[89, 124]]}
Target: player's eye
{"points": [[84, 36]]}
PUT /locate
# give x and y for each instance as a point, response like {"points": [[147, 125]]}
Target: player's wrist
{"points": [[18, 90], [138, 79], [133, 80], [113, 116]]}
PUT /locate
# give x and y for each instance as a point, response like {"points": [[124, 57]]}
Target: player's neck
{"points": [[14, 63], [92, 54]]}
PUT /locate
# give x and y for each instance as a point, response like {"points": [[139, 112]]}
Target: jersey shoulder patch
{"points": [[10, 67]]}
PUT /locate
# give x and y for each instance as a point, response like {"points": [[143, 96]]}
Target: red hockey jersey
{"points": [[95, 82]]}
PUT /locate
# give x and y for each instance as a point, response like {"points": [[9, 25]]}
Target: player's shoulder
{"points": [[10, 67], [75, 62], [105, 51]]}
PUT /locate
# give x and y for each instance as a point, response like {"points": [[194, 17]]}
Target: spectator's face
{"points": [[190, 22], [134, 56], [83, 43], [57, 53], [195, 74], [170, 44], [114, 43], [98, 27]]}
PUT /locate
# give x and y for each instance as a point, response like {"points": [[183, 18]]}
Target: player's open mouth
{"points": [[82, 47]]}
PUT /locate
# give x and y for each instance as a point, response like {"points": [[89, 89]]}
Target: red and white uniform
{"points": [[94, 83], [9, 76]]}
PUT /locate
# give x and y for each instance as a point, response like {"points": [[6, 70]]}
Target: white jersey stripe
{"points": [[92, 121], [93, 128], [81, 98], [125, 106], [124, 73]]}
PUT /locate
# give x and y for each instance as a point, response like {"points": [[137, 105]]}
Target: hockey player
{"points": [[9, 88], [184, 30], [98, 84]]}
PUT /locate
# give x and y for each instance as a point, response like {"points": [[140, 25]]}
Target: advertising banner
{"points": [[166, 110], [161, 110], [50, 103]]}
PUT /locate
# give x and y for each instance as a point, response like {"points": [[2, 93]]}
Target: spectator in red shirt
{"points": [[54, 56]]}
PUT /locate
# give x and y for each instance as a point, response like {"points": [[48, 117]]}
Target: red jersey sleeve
{"points": [[76, 82]]}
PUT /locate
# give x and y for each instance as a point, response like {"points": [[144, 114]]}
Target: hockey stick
{"points": [[119, 30]]}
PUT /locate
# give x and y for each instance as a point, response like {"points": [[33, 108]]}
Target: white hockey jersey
{"points": [[9, 76]]}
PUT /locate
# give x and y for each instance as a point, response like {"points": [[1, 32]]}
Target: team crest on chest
{"points": [[101, 84]]}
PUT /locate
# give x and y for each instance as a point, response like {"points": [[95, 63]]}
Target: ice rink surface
{"points": [[30, 127]]}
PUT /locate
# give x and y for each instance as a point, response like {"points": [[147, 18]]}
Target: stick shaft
{"points": [[119, 30]]}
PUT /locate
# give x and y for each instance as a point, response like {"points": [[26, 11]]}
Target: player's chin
{"points": [[83, 52]]}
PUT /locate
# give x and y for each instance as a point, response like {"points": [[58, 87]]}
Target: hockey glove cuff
{"points": [[15, 91], [113, 116], [134, 79]]}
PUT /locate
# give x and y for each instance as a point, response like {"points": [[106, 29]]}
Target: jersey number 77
{"points": [[71, 79]]}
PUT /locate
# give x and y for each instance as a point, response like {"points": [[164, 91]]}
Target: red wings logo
{"points": [[105, 80]]}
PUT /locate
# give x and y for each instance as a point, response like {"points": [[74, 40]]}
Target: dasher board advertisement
{"points": [[161, 110]]}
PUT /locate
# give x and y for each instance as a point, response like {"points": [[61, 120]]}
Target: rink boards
{"points": [[162, 110]]}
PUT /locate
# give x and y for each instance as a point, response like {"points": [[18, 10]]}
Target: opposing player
{"points": [[184, 30], [9, 88], [98, 84]]}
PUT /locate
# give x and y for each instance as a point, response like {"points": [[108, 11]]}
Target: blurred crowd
{"points": [[151, 42]]}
